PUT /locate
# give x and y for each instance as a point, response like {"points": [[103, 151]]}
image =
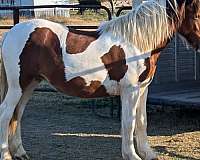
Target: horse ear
{"points": [[135, 3]]}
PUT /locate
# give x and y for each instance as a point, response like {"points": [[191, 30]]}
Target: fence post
{"points": [[122, 9], [16, 16]]}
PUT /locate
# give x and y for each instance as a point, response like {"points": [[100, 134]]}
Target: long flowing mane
{"points": [[146, 26]]}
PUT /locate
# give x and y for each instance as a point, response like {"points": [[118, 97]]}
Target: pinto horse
{"points": [[118, 59]]}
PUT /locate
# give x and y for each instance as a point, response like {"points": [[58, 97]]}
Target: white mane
{"points": [[146, 26]]}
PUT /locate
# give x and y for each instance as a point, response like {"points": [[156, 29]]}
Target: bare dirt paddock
{"points": [[56, 127]]}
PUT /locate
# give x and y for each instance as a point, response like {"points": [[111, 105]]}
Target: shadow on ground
{"points": [[163, 122]]}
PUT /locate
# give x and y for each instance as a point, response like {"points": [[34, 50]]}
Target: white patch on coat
{"points": [[89, 66], [112, 87], [136, 65]]}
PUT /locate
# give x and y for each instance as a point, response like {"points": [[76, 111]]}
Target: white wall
{"points": [[24, 2], [50, 2], [51, 11], [41, 13]]}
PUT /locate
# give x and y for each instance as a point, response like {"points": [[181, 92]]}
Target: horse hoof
{"points": [[23, 157]]}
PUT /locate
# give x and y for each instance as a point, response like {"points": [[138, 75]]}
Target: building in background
{"points": [[36, 12]]}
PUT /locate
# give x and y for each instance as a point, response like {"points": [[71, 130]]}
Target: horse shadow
{"points": [[167, 121], [163, 150]]}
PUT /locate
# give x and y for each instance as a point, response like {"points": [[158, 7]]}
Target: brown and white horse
{"points": [[119, 59]]}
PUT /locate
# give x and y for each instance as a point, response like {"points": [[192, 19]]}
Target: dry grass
{"points": [[89, 18], [176, 147]]}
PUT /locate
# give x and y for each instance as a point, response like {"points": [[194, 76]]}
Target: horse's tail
{"points": [[3, 82], [3, 79]]}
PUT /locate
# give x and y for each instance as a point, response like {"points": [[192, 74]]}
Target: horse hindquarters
{"points": [[15, 141], [11, 95], [3, 83]]}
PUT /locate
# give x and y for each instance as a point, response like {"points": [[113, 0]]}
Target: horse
{"points": [[117, 59]]}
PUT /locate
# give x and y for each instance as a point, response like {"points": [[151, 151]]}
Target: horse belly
{"points": [[79, 88], [88, 81]]}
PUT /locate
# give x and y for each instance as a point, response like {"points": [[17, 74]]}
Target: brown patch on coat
{"points": [[41, 58], [151, 66], [42, 47], [115, 63], [78, 41], [78, 87], [151, 62]]}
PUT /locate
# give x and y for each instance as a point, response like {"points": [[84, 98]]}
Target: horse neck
{"points": [[150, 31], [175, 22]]}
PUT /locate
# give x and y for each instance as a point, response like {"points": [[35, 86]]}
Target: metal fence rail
{"points": [[123, 9], [16, 12]]}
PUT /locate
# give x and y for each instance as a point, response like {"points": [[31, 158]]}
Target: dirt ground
{"points": [[57, 127]]}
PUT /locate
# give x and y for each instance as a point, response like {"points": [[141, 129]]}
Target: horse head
{"points": [[190, 27]]}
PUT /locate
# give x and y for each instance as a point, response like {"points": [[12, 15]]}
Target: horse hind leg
{"points": [[6, 112], [15, 141], [10, 111]]}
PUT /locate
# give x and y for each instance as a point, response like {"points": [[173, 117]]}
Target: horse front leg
{"points": [[143, 147], [129, 98]]}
